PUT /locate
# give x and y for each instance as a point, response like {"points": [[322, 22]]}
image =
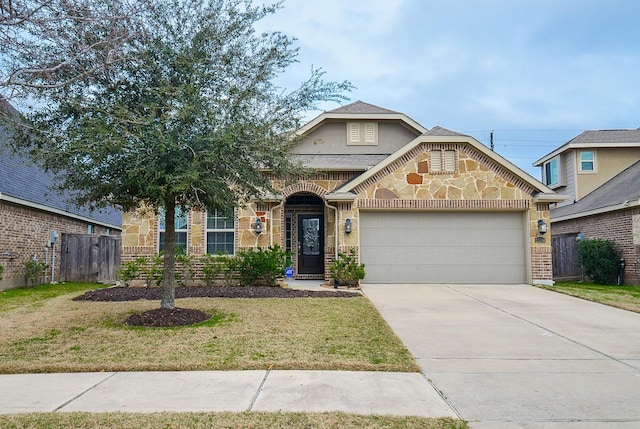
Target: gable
{"points": [[421, 174], [356, 137]]}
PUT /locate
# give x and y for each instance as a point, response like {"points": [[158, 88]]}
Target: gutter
{"points": [[4, 197], [622, 206]]}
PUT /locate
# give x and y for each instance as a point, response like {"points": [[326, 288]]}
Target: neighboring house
{"points": [[587, 161], [599, 172], [417, 205], [30, 211]]}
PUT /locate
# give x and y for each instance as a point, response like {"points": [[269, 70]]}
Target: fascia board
{"points": [[360, 117], [539, 186], [601, 210], [4, 197], [569, 146]]}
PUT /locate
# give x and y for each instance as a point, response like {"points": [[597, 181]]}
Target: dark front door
{"points": [[311, 244]]}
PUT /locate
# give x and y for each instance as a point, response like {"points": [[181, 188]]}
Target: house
{"points": [[587, 161], [599, 172], [418, 205], [30, 212]]}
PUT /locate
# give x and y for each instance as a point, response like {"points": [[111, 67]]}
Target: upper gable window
{"points": [[551, 172], [362, 133], [443, 161], [587, 161]]}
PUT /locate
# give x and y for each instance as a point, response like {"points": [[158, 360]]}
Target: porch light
{"points": [[347, 226], [542, 227], [258, 226]]}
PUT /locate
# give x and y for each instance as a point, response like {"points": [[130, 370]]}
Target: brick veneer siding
{"points": [[24, 232], [615, 226]]}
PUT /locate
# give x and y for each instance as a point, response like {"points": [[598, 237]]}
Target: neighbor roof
{"points": [[22, 182], [622, 191], [596, 138]]}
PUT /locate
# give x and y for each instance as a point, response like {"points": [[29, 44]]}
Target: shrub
{"points": [[214, 265], [184, 268], [599, 260], [34, 270], [132, 270], [258, 267], [346, 270]]}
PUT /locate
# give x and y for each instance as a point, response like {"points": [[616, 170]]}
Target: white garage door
{"points": [[443, 247]]}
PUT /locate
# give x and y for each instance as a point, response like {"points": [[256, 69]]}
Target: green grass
{"points": [[47, 331], [625, 297], [29, 297], [255, 420]]}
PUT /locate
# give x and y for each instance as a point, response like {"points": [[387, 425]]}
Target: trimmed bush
{"points": [[346, 270], [599, 260], [34, 270], [260, 267]]}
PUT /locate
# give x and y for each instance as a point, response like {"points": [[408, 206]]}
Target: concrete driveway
{"points": [[516, 356]]}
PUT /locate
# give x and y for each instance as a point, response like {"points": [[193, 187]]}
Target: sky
{"points": [[536, 73]]}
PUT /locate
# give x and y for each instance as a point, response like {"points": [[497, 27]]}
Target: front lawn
{"points": [[625, 297], [255, 420], [43, 330]]}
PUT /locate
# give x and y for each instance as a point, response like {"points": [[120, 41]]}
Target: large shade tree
{"points": [[187, 114]]}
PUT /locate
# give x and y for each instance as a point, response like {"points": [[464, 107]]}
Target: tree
{"points": [[47, 44], [191, 119]]}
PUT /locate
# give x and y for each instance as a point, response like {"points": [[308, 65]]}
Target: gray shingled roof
{"points": [[341, 161], [21, 179], [439, 131], [362, 107], [608, 136], [623, 187]]}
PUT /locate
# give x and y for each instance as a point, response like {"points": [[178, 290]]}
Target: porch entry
{"points": [[311, 244]]}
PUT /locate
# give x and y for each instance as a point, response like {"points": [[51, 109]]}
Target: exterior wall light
{"points": [[258, 226], [542, 227], [347, 226]]}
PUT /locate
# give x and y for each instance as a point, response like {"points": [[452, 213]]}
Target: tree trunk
{"points": [[169, 268]]}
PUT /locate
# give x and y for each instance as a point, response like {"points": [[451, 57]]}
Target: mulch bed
{"points": [[153, 293], [162, 317]]}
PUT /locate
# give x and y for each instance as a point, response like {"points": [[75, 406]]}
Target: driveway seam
{"points": [[64, 404], [259, 390], [542, 327]]}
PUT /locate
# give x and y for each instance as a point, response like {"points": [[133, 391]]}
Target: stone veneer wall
{"points": [[479, 183]]}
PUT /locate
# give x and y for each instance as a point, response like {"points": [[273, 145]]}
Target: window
{"points": [[220, 234], [91, 229], [551, 175], [443, 161], [181, 226], [362, 133], [587, 161]]}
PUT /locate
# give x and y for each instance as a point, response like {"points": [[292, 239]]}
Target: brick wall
{"points": [[24, 232], [615, 226]]}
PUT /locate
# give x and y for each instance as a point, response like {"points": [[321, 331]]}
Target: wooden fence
{"points": [[565, 257], [89, 258]]}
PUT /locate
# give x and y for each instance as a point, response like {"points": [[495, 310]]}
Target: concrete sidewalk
{"points": [[408, 394]]}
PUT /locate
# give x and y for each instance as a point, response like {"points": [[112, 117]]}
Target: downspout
{"points": [[271, 219], [335, 226]]}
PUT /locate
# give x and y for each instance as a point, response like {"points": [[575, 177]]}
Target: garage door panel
{"points": [[443, 247]]}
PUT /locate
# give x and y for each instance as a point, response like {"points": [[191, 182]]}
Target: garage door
{"points": [[443, 247]]}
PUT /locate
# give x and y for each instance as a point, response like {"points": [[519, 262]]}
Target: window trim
{"points": [[545, 176], [185, 231], [222, 230], [362, 133], [439, 159], [592, 161]]}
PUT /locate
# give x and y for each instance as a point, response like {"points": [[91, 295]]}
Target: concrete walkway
{"points": [[200, 391], [516, 356]]}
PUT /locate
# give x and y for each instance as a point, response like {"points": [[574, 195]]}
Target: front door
{"points": [[310, 244]]}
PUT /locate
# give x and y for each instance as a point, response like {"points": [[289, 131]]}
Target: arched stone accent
{"points": [[304, 187]]}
